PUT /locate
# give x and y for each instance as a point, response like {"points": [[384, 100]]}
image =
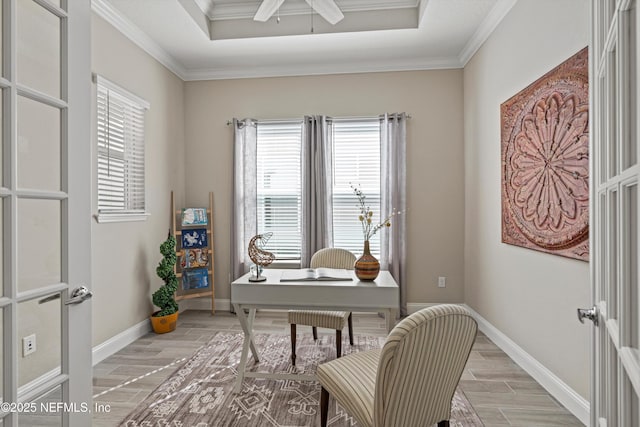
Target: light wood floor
{"points": [[500, 391]]}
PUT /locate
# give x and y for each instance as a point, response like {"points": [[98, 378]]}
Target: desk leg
{"points": [[247, 327], [388, 316], [252, 344]]}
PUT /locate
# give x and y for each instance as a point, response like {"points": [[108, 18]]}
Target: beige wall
{"points": [[529, 296], [125, 255], [435, 163]]}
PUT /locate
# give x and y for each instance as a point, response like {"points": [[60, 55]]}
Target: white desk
{"points": [[381, 295]]}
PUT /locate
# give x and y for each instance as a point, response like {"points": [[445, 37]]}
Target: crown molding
{"points": [[488, 26], [287, 70], [107, 12]]}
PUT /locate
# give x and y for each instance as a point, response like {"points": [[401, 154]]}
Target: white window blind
{"points": [[356, 154], [121, 158], [279, 186]]}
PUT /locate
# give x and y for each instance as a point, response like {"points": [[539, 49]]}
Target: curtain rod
{"points": [[230, 122]]}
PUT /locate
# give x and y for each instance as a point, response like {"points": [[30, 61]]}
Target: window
{"points": [[120, 152], [356, 160], [279, 186]]}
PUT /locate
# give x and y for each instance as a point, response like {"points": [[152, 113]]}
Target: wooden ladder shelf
{"points": [[177, 229]]}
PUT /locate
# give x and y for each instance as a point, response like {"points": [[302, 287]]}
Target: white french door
{"points": [[45, 213], [615, 213]]}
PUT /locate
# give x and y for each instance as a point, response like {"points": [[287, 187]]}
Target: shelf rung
{"points": [[196, 295]]}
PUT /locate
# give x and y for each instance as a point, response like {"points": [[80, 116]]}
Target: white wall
{"points": [[530, 296], [434, 156], [125, 255]]}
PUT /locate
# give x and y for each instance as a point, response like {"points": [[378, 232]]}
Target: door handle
{"points": [[78, 295], [588, 313]]}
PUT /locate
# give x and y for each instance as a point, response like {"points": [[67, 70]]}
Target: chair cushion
{"points": [[322, 319], [351, 380]]}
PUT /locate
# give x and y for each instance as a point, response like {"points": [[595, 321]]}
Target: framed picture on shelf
{"points": [[194, 216], [194, 238], [197, 278]]}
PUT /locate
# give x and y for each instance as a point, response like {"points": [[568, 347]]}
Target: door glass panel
{"points": [[612, 257], [2, 94], [628, 403], [1, 353], [630, 231], [39, 243], [602, 130], [42, 320], [599, 31], [609, 11], [634, 408], [38, 145], [2, 244], [629, 152], [612, 146], [38, 53], [1, 45], [612, 385], [600, 248], [49, 410]]}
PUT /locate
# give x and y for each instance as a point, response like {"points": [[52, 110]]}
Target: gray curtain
{"points": [[244, 217], [393, 154], [317, 186]]}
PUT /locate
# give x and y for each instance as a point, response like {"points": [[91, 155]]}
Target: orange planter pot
{"points": [[367, 266], [164, 324]]}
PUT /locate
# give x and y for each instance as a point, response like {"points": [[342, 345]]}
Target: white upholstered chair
{"points": [[410, 382], [329, 258]]}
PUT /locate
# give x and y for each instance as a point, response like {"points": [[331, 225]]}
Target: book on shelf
{"points": [[194, 216], [315, 274], [194, 258], [197, 278], [194, 238]]}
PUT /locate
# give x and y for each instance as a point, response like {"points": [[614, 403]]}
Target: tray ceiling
{"points": [[213, 39]]}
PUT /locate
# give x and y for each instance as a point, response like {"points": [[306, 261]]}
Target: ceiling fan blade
{"points": [[267, 9], [328, 9]]}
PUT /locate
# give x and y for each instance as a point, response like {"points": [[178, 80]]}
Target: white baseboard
{"points": [[31, 386], [568, 397], [126, 337], [204, 304], [120, 341]]}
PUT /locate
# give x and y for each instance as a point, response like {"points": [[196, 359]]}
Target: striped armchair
{"points": [[329, 258], [410, 382]]}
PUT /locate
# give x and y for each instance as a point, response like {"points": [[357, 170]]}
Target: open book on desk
{"points": [[314, 274]]}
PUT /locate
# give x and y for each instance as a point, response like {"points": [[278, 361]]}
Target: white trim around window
{"points": [[120, 153]]}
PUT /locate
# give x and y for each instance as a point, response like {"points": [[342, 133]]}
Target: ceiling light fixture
{"points": [[328, 9]]}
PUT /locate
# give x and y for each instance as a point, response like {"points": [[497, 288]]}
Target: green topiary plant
{"points": [[164, 297]]}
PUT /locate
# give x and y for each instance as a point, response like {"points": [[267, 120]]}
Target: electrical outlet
{"points": [[442, 282], [28, 345]]}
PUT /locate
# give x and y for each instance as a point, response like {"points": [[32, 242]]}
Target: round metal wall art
{"points": [[545, 162]]}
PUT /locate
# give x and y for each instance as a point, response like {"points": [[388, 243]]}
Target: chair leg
{"points": [[350, 329], [443, 423], [324, 406], [293, 344], [315, 333], [338, 343]]}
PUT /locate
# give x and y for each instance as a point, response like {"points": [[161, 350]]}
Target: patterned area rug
{"points": [[199, 394]]}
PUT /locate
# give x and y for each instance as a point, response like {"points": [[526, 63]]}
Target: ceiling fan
{"points": [[328, 9]]}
